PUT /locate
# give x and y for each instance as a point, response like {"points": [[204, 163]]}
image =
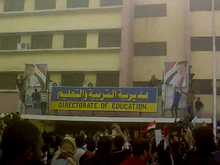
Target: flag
{"points": [[158, 136], [150, 126], [166, 143], [194, 121], [166, 140]]}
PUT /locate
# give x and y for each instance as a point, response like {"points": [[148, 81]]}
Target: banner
{"points": [[104, 99], [35, 78], [176, 78]]}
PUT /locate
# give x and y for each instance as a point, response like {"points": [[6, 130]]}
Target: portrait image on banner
{"points": [[35, 78], [175, 79]]}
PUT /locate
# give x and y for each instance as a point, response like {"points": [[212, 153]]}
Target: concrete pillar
{"points": [[187, 31], [1, 6], [58, 41], [26, 39], [127, 44], [91, 77], [29, 5], [56, 77], [61, 4], [92, 40], [94, 3]]}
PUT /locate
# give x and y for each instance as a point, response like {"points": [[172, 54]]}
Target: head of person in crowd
{"points": [[141, 148], [118, 142], [80, 141], [104, 144], [204, 141], [21, 144], [90, 150], [218, 144], [67, 148], [91, 145]]}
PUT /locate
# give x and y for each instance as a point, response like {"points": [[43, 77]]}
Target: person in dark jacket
{"points": [[176, 100], [90, 150], [103, 155], [141, 153], [119, 153], [204, 146], [199, 107]]}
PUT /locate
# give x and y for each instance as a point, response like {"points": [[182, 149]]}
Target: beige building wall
{"points": [[29, 5], [65, 61], [61, 4], [170, 29], [58, 41], [92, 40], [94, 3], [92, 19]]}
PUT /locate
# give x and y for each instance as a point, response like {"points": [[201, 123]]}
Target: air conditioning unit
{"points": [[53, 84], [88, 84], [22, 46]]}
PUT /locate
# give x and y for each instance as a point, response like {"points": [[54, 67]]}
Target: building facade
{"points": [[110, 43]]}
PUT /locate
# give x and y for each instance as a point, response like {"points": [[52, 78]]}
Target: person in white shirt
{"points": [[79, 143]]}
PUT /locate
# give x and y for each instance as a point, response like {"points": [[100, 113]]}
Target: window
{"points": [[110, 39], [141, 84], [110, 2], [9, 42], [203, 5], [202, 86], [45, 4], [77, 3], [77, 40], [156, 10], [72, 79], [41, 41], [150, 49], [8, 80], [13, 5], [107, 79], [204, 43]]}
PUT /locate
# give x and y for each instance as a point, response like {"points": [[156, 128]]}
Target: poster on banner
{"points": [[104, 99], [35, 78], [176, 78]]}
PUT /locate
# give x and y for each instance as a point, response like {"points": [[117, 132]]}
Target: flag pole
{"points": [[214, 71]]}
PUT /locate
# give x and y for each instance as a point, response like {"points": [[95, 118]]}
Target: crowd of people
{"points": [[22, 143]]}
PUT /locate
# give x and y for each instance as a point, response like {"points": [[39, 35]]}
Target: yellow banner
{"points": [[104, 106]]}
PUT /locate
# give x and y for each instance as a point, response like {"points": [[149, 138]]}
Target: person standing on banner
{"points": [[43, 102], [35, 101], [199, 107], [21, 101], [190, 102], [20, 83], [176, 100]]}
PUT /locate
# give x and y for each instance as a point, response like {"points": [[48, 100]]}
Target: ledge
{"points": [[52, 31], [62, 50], [54, 11], [107, 119], [8, 91]]}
